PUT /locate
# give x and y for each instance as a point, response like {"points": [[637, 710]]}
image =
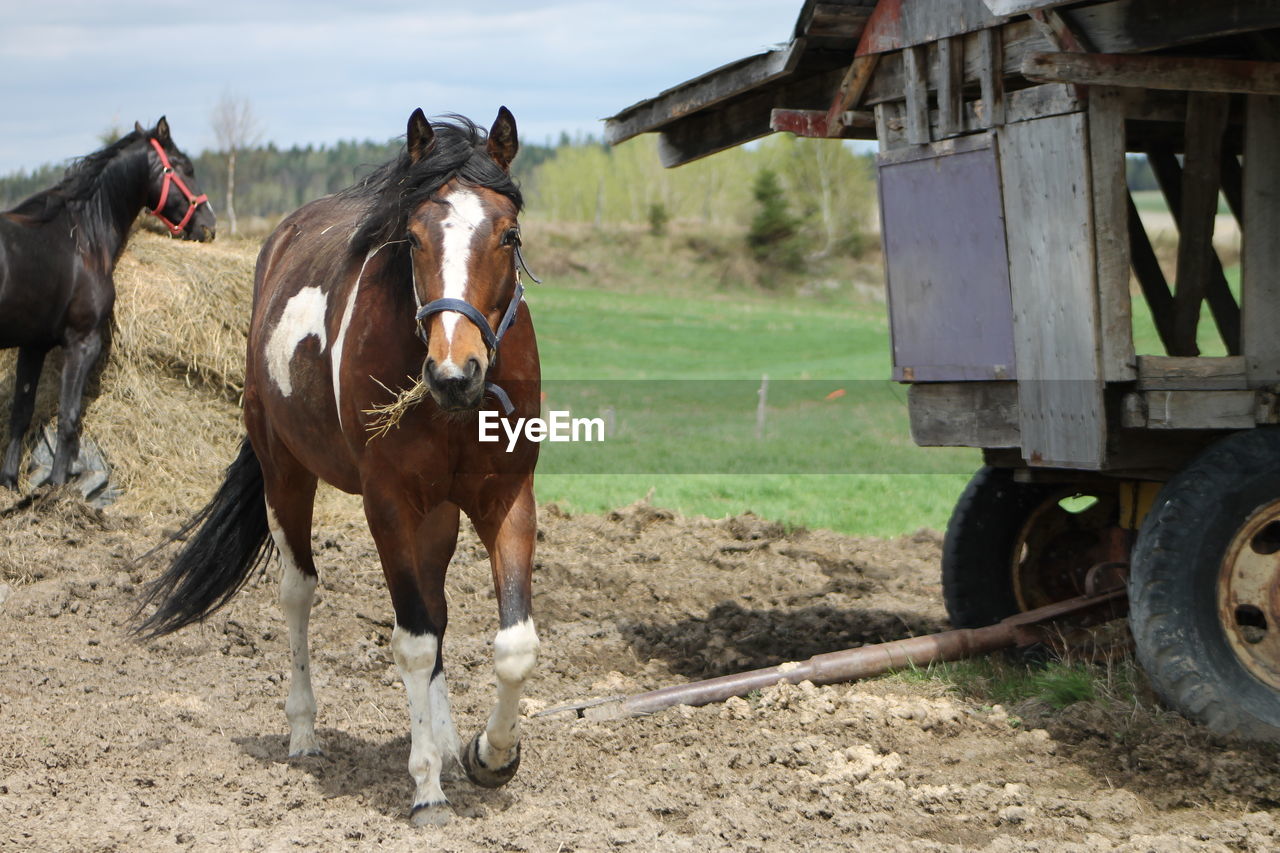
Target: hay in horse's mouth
{"points": [[384, 418]]}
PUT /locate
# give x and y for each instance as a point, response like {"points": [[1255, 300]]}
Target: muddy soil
{"points": [[179, 744]]}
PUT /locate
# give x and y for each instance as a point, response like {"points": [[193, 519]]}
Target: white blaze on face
{"points": [[466, 212], [303, 316]]}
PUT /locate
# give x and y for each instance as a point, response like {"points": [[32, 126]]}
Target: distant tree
{"points": [[658, 218], [236, 128], [772, 235]]}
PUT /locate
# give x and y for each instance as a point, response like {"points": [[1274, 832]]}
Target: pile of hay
{"points": [[167, 406]]}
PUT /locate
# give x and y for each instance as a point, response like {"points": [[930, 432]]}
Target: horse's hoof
{"points": [[309, 752], [431, 814], [484, 776]]}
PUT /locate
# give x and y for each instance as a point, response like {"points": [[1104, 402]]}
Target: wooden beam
{"points": [[917, 96], [950, 86], [1136, 26], [1151, 280], [1110, 215], [1190, 410], [1233, 185], [1179, 73], [709, 89], [991, 75], [851, 87], [1222, 304], [812, 124], [964, 414], [896, 24], [1201, 180], [1060, 33], [1166, 373], [1260, 249], [1042, 101], [745, 119], [1021, 7]]}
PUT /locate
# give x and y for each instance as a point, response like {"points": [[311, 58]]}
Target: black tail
{"points": [[231, 539]]}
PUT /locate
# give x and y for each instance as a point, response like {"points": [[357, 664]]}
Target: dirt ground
{"points": [[109, 744]]}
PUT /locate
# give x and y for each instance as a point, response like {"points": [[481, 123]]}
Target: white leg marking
{"points": [[415, 657], [465, 212], [297, 592], [515, 652], [443, 730], [302, 317]]}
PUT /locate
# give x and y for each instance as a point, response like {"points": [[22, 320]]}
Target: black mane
{"points": [[82, 180], [399, 187]]}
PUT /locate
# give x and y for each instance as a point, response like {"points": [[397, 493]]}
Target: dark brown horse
{"points": [[58, 250], [411, 272]]}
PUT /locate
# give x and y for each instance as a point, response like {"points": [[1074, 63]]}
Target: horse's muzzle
{"points": [[455, 388]]}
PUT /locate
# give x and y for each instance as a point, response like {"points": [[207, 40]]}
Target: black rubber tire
{"points": [[1173, 597], [977, 552]]}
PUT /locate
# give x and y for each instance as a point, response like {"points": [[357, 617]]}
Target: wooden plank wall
{"points": [[1052, 270]]}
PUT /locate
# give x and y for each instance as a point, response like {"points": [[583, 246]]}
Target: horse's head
{"points": [[464, 240], [173, 194]]}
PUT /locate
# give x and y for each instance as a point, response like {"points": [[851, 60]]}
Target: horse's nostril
{"points": [[473, 367]]}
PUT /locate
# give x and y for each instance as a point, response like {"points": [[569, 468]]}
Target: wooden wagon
{"points": [[1016, 263]]}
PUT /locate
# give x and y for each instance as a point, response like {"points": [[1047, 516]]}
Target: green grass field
{"points": [[680, 374]]}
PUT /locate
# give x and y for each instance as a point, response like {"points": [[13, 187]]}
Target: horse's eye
{"points": [[511, 237], [413, 240]]}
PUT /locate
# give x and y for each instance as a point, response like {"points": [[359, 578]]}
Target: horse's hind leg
{"points": [[290, 494], [493, 756], [81, 355], [26, 380], [415, 553]]}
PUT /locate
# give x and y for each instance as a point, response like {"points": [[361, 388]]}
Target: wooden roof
{"points": [[734, 103]]}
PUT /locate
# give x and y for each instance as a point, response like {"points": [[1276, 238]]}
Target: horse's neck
{"points": [[116, 202]]}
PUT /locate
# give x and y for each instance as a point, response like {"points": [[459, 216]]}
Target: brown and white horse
{"points": [[412, 271]]}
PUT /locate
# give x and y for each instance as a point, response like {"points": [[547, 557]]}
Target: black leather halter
{"points": [[492, 337]]}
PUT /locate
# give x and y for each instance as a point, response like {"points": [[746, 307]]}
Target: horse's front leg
{"points": [[81, 355], [493, 756], [26, 379], [415, 553]]}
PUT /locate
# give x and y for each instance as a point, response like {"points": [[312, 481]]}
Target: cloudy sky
{"points": [[323, 70]]}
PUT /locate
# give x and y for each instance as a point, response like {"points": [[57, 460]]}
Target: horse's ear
{"points": [[420, 136], [503, 143], [138, 129], [162, 129]]}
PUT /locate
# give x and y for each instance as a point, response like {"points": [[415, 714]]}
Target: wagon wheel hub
{"points": [[1064, 538], [1249, 594]]}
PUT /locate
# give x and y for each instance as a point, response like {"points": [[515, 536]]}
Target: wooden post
{"points": [[916, 69], [1110, 215], [1260, 251], [1226, 314], [950, 82], [991, 75], [762, 399]]}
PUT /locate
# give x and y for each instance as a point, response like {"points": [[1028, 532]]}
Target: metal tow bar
{"points": [[1021, 629]]}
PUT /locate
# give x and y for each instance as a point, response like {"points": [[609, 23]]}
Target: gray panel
{"points": [[948, 274]]}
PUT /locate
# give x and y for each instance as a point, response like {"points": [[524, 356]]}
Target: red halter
{"points": [[172, 177]]}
